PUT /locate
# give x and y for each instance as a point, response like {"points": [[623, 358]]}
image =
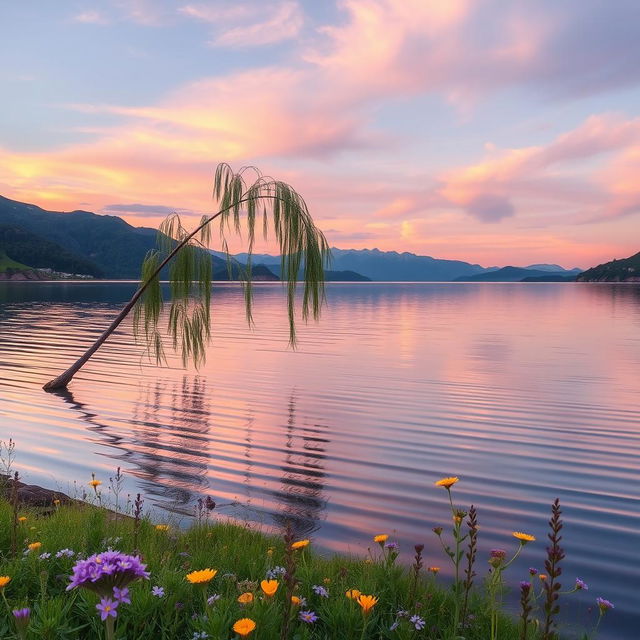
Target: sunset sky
{"points": [[498, 132]]}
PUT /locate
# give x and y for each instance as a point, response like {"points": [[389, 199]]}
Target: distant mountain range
{"points": [[106, 246], [625, 270], [519, 274]]}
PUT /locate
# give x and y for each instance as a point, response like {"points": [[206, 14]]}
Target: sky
{"points": [[493, 131]]}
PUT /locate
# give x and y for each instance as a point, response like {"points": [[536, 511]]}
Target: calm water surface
{"points": [[525, 391]]}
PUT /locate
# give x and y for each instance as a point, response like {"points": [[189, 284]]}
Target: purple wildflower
{"points": [[392, 545], [525, 586], [122, 595], [417, 622], [44, 556], [107, 607], [308, 616], [394, 626], [319, 590], [21, 614], [158, 592], [200, 634], [498, 553], [65, 553], [272, 574], [213, 599], [102, 572], [179, 605], [581, 584], [402, 613], [604, 605], [533, 572]]}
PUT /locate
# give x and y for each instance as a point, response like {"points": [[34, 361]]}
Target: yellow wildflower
{"points": [[162, 527], [56, 502], [202, 576], [353, 594], [381, 539], [34, 546], [244, 626], [269, 587], [367, 603], [300, 544], [4, 581], [245, 598], [95, 483], [523, 537], [22, 519], [447, 483]]}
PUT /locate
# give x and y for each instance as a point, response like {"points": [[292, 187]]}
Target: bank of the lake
{"points": [[216, 578]]}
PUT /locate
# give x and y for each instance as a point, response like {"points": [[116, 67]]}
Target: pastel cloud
{"points": [[462, 50], [251, 24], [546, 173]]}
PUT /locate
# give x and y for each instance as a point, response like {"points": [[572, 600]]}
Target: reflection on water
{"points": [[527, 392]]}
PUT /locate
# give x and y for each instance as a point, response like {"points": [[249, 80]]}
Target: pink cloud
{"points": [[250, 25]]}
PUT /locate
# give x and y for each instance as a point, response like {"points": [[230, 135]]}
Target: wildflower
{"points": [[394, 626], [270, 551], [300, 544], [434, 570], [244, 626], [107, 607], [22, 621], [197, 635], [392, 545], [158, 592], [417, 622], [326, 580], [308, 616], [525, 586], [162, 527], [201, 577], [44, 556], [402, 613], [523, 537], [532, 571], [447, 483], [580, 584], [319, 590], [213, 599], [353, 594], [22, 519], [604, 605], [65, 553], [275, 572], [367, 603], [381, 539], [4, 581], [296, 601], [101, 572], [34, 546], [269, 587], [56, 502], [122, 595], [245, 598], [94, 483], [542, 576], [437, 530]]}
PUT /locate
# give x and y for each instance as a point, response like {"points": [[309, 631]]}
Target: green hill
{"points": [[7, 263], [26, 248], [625, 270], [110, 246]]}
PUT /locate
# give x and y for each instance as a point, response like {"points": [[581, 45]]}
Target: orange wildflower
{"points": [[244, 626]]}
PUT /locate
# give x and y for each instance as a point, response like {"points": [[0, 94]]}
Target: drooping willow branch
{"points": [[303, 249]]}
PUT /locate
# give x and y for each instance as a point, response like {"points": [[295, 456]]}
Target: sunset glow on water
{"points": [[527, 392]]}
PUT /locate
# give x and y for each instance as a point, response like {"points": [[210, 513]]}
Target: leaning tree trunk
{"points": [[65, 378]]}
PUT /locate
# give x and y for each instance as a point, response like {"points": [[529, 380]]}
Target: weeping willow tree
{"points": [[264, 203]]}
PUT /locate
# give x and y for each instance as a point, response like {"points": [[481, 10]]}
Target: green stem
{"points": [[110, 628], [364, 627]]}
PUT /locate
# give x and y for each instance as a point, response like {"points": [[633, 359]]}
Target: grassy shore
{"points": [[246, 584]]}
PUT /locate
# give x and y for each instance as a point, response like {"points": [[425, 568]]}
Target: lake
{"points": [[527, 392]]}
